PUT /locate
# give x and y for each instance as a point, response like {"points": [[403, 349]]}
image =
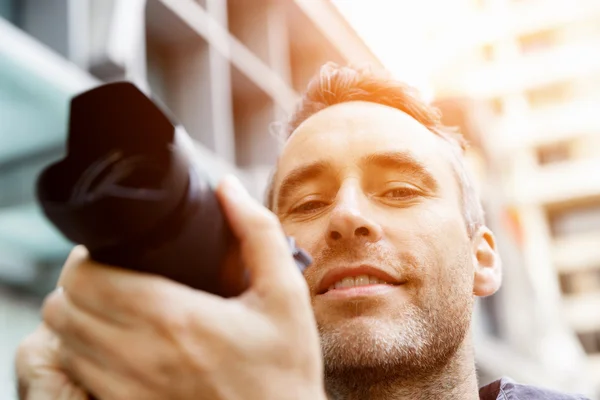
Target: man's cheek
{"points": [[413, 226], [441, 233]]}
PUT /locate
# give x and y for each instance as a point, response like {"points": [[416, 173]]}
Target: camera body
{"points": [[133, 191]]}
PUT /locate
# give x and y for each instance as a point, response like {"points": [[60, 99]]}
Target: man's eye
{"points": [[309, 206], [404, 193]]}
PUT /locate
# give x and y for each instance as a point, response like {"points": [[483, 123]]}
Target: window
{"points": [[8, 9], [580, 282], [590, 341], [550, 94], [536, 41], [577, 218], [46, 21], [553, 153]]}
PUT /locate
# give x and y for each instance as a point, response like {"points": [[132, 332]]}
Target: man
{"points": [[376, 190]]}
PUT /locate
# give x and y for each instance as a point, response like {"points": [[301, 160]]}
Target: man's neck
{"points": [[457, 380]]}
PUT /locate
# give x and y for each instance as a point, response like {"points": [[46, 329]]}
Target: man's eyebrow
{"points": [[298, 176], [401, 161]]}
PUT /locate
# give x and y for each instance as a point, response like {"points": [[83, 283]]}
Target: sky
{"points": [[396, 32], [402, 33]]}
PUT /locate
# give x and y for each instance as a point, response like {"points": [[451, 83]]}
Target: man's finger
{"points": [[123, 296], [264, 249], [102, 383], [78, 330]]}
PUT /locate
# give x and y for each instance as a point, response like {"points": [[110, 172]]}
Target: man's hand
{"points": [[127, 335], [38, 369]]}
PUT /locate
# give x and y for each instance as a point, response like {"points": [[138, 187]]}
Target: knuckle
{"points": [[39, 340], [67, 359], [74, 365], [174, 322], [159, 305], [205, 362], [147, 297], [25, 349]]}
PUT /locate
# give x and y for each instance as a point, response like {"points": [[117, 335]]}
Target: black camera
{"points": [[134, 192]]}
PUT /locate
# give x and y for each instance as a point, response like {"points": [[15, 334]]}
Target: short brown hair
{"points": [[336, 84]]}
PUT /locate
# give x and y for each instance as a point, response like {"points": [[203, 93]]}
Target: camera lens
{"points": [[133, 193]]}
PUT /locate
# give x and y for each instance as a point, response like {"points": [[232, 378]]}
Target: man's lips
{"points": [[337, 274]]}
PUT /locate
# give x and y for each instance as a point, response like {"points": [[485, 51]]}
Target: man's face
{"points": [[370, 193]]}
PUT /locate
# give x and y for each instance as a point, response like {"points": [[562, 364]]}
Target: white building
{"points": [[536, 65]]}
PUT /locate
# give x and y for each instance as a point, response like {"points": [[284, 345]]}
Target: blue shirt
{"points": [[507, 389]]}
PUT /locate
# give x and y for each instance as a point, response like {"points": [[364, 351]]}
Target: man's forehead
{"points": [[352, 114], [351, 130]]}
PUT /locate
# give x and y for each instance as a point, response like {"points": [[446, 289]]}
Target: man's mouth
{"points": [[361, 280], [347, 278]]}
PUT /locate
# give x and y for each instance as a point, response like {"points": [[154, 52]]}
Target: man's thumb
{"points": [[264, 249]]}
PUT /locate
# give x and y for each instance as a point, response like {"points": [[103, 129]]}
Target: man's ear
{"points": [[488, 267]]}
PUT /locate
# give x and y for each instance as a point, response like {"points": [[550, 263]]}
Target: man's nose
{"points": [[349, 221]]}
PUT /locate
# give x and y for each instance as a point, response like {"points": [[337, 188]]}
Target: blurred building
{"points": [[226, 70], [531, 70]]}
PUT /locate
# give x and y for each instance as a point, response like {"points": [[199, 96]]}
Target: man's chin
{"points": [[392, 308], [371, 342], [406, 345]]}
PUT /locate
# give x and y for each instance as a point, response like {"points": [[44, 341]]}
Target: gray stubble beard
{"points": [[360, 356]]}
